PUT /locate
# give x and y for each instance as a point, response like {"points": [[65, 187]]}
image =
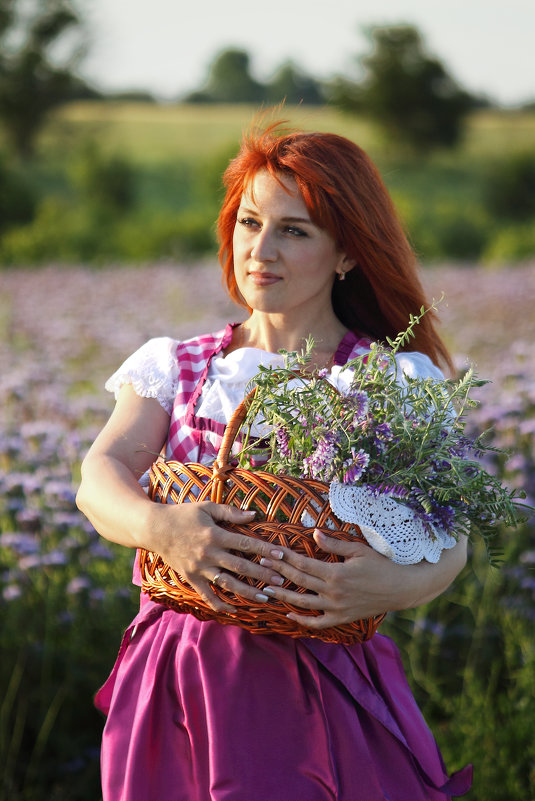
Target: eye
{"points": [[293, 230], [247, 222]]}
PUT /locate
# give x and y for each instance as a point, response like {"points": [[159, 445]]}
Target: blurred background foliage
{"points": [[140, 182], [91, 177]]}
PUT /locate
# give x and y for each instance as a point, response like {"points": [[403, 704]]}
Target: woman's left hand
{"points": [[363, 585]]}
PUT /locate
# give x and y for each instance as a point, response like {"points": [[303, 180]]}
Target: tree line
{"points": [[405, 89]]}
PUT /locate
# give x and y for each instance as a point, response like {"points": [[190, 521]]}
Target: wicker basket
{"points": [[281, 503]]}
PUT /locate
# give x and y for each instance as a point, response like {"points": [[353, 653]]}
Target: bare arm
{"points": [[187, 536]]}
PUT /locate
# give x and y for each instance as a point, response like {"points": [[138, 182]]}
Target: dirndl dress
{"points": [[199, 711]]}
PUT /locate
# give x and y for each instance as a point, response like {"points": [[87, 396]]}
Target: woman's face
{"points": [[283, 263]]}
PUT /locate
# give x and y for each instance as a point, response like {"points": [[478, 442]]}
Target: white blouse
{"points": [[153, 372]]}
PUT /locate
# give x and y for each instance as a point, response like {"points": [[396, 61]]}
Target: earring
{"points": [[341, 275]]}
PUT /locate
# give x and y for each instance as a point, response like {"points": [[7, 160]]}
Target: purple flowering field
{"points": [[65, 594]]}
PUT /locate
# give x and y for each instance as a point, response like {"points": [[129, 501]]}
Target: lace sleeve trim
{"points": [[152, 371]]}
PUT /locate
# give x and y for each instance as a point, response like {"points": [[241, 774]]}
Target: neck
{"points": [[272, 332]]}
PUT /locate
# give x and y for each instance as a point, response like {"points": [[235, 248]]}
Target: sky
{"points": [[166, 46]]}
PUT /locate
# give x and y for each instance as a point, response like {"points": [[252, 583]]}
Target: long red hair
{"points": [[345, 195]]}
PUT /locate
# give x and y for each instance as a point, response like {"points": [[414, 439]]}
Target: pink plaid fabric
{"points": [[193, 357]]}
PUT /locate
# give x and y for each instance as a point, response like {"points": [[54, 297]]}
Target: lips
{"points": [[263, 279]]}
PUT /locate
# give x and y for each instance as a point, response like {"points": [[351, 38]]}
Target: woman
{"points": [[310, 244]]}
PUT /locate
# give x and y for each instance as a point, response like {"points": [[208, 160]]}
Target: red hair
{"points": [[345, 196]]}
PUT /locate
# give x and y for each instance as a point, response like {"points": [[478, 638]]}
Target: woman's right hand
{"points": [[189, 539]]}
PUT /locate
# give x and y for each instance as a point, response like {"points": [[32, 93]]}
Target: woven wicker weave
{"points": [[281, 503]]}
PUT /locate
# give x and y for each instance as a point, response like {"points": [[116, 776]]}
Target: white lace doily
{"points": [[389, 527]]}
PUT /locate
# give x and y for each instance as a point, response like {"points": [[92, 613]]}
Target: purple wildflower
{"points": [[383, 432], [440, 465], [55, 557], [461, 448], [358, 402], [283, 442], [319, 463], [444, 517], [77, 584], [303, 422], [355, 467], [394, 490], [22, 544], [11, 592]]}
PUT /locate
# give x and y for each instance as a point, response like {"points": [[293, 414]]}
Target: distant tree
{"points": [[229, 81], [509, 187], [407, 91], [17, 198], [129, 96], [293, 85], [31, 84]]}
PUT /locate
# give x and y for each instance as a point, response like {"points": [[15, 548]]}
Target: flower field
{"points": [[65, 594]]}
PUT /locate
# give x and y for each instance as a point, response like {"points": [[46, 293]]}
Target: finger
{"points": [[300, 578], [206, 592], [254, 545], [242, 590], [304, 571], [339, 547], [233, 563], [231, 514], [302, 600], [316, 622]]}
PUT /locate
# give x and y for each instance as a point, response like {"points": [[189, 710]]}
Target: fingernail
{"points": [[265, 562], [277, 554], [269, 590], [249, 512], [277, 580], [261, 597]]}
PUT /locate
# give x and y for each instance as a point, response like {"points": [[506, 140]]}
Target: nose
{"points": [[264, 248]]}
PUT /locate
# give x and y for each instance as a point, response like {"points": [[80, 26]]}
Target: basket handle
{"points": [[222, 464]]}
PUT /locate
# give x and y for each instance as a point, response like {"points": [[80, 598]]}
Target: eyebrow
{"points": [[248, 210]]}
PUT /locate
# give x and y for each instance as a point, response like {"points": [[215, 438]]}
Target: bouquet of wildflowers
{"points": [[392, 448]]}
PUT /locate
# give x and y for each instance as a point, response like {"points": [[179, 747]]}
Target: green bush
{"points": [[510, 187], [17, 198], [446, 230], [511, 244], [165, 235], [61, 232], [105, 181], [67, 234]]}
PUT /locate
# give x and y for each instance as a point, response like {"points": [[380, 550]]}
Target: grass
{"points": [[151, 134]]}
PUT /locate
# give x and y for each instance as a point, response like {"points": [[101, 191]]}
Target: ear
{"points": [[345, 265]]}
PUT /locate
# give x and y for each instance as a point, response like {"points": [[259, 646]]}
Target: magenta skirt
{"points": [[205, 712]]}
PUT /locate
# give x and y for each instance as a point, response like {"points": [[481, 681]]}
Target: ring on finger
{"points": [[216, 579]]}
